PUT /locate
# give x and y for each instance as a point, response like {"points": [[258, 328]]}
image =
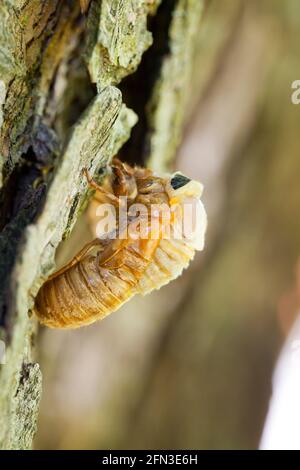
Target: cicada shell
{"points": [[109, 271]]}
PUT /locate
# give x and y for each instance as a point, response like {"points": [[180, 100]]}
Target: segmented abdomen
{"points": [[88, 292], [170, 258]]}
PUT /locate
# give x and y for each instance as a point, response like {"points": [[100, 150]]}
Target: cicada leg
{"points": [[125, 182], [89, 246], [93, 184]]}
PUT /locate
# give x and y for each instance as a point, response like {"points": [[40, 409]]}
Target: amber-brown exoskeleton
{"points": [[110, 270]]}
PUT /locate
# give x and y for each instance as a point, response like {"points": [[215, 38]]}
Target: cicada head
{"points": [[181, 187], [184, 194]]}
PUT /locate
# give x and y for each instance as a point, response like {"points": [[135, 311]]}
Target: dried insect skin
{"points": [[93, 285]]}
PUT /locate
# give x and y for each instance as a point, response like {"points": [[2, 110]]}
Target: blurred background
{"points": [[190, 366]]}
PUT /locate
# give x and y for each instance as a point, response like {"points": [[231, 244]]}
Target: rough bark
{"points": [[54, 123]]}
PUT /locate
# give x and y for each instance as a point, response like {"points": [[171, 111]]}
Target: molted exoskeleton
{"points": [[110, 270]]}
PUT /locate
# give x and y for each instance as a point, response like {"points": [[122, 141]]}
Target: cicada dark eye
{"points": [[179, 180]]}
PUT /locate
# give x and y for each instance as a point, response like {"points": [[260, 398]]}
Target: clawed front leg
{"points": [[89, 246], [93, 184]]}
